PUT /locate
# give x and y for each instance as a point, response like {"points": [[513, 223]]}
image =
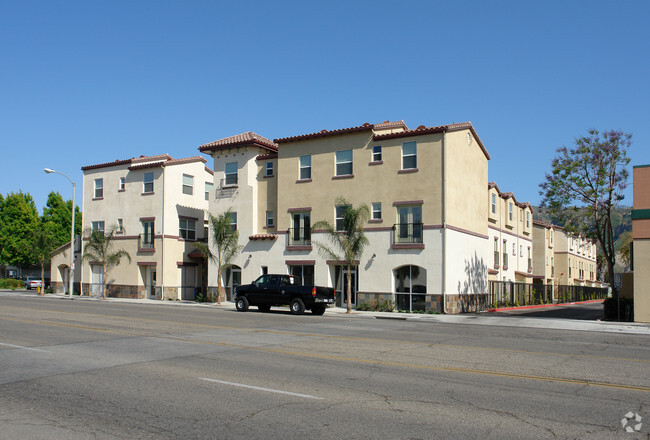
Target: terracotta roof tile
{"points": [[248, 138], [263, 237], [508, 195], [323, 133]]}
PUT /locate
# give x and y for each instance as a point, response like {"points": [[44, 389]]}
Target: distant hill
{"points": [[621, 220]]}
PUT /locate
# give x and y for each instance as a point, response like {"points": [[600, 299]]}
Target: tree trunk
{"points": [[220, 288], [103, 282], [42, 279], [348, 301]]}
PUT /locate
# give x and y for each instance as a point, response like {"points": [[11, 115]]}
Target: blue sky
{"points": [[86, 82]]}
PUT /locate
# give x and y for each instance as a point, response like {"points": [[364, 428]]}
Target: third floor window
{"points": [[231, 173], [305, 167], [147, 183], [188, 184], [344, 163], [99, 188], [409, 155]]}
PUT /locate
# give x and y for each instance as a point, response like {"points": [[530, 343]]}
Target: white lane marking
{"points": [[288, 393], [24, 348]]}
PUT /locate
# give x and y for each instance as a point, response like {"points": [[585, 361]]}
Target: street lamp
{"points": [[71, 272]]}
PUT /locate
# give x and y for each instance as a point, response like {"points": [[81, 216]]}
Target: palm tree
{"points": [[347, 244], [99, 250], [225, 240], [43, 247]]}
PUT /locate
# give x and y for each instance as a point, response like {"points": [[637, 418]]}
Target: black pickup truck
{"points": [[281, 290]]}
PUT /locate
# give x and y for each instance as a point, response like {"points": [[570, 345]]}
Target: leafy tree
{"points": [[3, 265], [225, 242], [592, 174], [18, 221], [43, 247], [625, 250], [57, 214], [99, 250], [348, 244]]}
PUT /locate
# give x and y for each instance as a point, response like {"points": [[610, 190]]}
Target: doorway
{"points": [[341, 283]]}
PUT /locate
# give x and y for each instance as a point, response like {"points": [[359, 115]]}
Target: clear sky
{"points": [[87, 82]]}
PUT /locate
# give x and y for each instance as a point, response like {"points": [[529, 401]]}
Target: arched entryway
{"points": [[410, 288], [64, 273]]}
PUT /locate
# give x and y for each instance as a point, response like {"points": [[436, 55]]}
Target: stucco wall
{"points": [[641, 280]]}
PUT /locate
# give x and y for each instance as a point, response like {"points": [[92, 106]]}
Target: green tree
{"points": [[57, 214], [592, 175], [99, 249], [43, 247], [625, 249], [18, 220], [225, 242], [347, 245]]}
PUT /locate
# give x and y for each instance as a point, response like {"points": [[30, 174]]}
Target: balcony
{"points": [[146, 243], [408, 235], [299, 237], [227, 187]]}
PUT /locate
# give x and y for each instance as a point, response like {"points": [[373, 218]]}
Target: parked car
{"points": [[283, 290], [32, 283]]}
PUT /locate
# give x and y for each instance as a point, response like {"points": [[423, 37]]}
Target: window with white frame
{"points": [[344, 163], [97, 226], [340, 216], [147, 236], [494, 203], [305, 167], [269, 219], [300, 233], [187, 228], [122, 183], [231, 173], [233, 221], [528, 219], [496, 252], [209, 186], [510, 206], [521, 250], [514, 250], [505, 254], [376, 153], [147, 183], [409, 155], [120, 225], [99, 188], [409, 226], [269, 169], [188, 184], [376, 211]]}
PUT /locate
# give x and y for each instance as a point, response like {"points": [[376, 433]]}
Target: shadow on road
{"points": [[586, 312]]}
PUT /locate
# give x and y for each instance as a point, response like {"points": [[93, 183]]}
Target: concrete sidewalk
{"points": [[487, 319]]}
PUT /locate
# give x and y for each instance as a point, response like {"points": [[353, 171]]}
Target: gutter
{"points": [[444, 224], [162, 251]]}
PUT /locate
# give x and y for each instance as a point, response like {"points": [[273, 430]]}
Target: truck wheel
{"points": [[242, 304], [318, 310], [297, 306], [264, 308]]}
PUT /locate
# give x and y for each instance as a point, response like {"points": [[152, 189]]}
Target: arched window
{"points": [[410, 288]]}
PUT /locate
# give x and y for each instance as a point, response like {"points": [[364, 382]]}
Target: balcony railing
{"points": [[408, 233], [299, 237], [145, 241], [227, 187]]}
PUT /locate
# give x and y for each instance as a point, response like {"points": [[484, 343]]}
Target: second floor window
{"points": [[494, 203], [344, 163], [269, 169], [376, 211], [409, 155], [188, 184], [496, 252], [97, 226], [409, 227], [305, 167], [505, 254], [340, 216], [269, 219], [99, 188], [120, 226], [122, 183], [146, 239], [301, 228], [209, 186], [147, 183], [376, 153], [233, 221], [231, 173], [187, 229]]}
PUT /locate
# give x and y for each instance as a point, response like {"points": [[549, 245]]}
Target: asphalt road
{"points": [[103, 370]]}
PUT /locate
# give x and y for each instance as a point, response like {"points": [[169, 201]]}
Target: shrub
{"points": [[10, 283], [376, 306]]}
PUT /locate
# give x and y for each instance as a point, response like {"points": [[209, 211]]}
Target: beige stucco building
{"points": [[157, 205], [641, 242], [427, 230], [510, 225]]}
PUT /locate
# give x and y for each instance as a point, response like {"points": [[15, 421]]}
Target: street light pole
{"points": [[71, 271]]}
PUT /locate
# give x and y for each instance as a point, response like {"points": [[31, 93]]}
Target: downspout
{"points": [[444, 225], [162, 251]]}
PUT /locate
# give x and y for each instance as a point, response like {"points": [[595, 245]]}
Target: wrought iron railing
{"points": [[408, 233]]}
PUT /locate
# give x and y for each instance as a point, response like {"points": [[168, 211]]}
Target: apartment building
{"points": [[157, 205], [561, 258], [510, 225], [641, 242], [425, 188]]}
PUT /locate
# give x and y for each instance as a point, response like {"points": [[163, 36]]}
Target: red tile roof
{"points": [[365, 127], [142, 162], [240, 140], [263, 237], [508, 195]]}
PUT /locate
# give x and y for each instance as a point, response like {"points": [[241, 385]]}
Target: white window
{"points": [[122, 183], [97, 226], [510, 211], [187, 229], [231, 173], [505, 254], [494, 203], [376, 153], [409, 155], [188, 184], [99, 188], [344, 163], [148, 183], [120, 225], [147, 236], [305, 167], [269, 169], [340, 216], [269, 219], [376, 211], [209, 186], [527, 219], [521, 250], [514, 249], [233, 221]]}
